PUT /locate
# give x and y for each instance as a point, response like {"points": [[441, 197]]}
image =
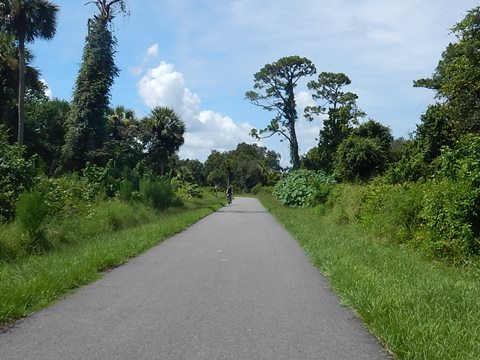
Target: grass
{"points": [[418, 308], [31, 283]]}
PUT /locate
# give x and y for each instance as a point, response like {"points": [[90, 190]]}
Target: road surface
{"points": [[235, 285]]}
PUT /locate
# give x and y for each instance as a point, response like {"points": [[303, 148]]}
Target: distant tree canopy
{"points": [[243, 167], [275, 85]]}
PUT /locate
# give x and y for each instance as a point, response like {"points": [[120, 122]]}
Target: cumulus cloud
{"points": [[206, 130], [48, 91], [153, 52]]}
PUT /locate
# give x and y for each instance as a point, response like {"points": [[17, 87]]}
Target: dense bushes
{"points": [[440, 216], [303, 188], [34, 231], [16, 175], [434, 217]]}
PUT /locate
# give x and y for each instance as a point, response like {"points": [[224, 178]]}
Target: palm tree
{"points": [[162, 135], [27, 20]]}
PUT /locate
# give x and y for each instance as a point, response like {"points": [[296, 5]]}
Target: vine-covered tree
{"points": [[26, 20], [275, 84], [364, 153], [341, 110], [86, 130], [162, 136]]}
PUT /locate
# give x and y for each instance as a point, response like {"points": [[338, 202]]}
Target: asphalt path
{"points": [[235, 285]]}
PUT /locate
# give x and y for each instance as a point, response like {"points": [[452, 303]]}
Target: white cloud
{"points": [[48, 91], [153, 51], [206, 130]]}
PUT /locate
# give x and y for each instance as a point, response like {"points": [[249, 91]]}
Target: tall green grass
{"points": [[420, 309], [33, 282]]}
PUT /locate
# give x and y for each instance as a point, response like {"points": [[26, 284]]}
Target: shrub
{"points": [[100, 180], [125, 190], [16, 174], [65, 195], [359, 159], [411, 166], [157, 193], [186, 190], [450, 216], [302, 188], [256, 189], [392, 211], [31, 212]]}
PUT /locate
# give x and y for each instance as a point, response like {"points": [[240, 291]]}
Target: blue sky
{"points": [[199, 57]]}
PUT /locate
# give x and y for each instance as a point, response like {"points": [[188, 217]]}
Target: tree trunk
{"points": [[295, 158], [291, 115], [21, 90]]}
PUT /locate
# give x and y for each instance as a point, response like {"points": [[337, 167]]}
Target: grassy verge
{"points": [[34, 282], [418, 308]]}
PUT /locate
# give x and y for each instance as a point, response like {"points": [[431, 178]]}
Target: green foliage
{"points": [[86, 126], [359, 159], [186, 190], [100, 179], [162, 135], [244, 167], [27, 21], [303, 188], [342, 112], [157, 193], [456, 83], [125, 191], [16, 174], [411, 164], [45, 130], [66, 195], [392, 212], [450, 216], [451, 211], [256, 189], [30, 213], [275, 84], [192, 171]]}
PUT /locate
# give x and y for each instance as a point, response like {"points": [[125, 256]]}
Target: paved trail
{"points": [[234, 286]]}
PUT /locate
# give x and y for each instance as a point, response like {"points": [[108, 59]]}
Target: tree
{"points": [[122, 143], [276, 83], [359, 158], [45, 131], [341, 110], [162, 135], [456, 82], [244, 167], [86, 130], [27, 20], [191, 171], [374, 130]]}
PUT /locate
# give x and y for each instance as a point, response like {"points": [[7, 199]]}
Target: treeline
{"points": [[423, 190]]}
